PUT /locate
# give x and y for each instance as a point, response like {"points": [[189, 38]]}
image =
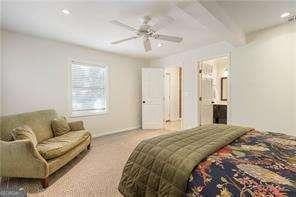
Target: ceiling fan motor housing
{"points": [[145, 19], [145, 30]]}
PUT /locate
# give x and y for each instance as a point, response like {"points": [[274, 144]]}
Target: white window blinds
{"points": [[88, 89]]}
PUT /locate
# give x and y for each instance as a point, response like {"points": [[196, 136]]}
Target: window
{"points": [[89, 89]]}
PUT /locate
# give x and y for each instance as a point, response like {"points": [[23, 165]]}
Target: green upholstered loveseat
{"points": [[20, 158]]}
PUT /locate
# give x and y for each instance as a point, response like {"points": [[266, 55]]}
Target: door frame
{"points": [[199, 86], [181, 92], [167, 105]]}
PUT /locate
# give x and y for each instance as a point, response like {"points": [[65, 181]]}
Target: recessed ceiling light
{"points": [[284, 15], [66, 12], [160, 44]]}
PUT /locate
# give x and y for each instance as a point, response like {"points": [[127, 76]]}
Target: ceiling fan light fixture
{"points": [[66, 12], [160, 44], [284, 15]]}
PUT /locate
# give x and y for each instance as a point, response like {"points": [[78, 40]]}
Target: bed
{"points": [[212, 160]]}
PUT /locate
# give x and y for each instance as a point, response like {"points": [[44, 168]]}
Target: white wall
{"points": [[1, 76], [188, 61], [263, 80], [35, 76], [293, 51]]}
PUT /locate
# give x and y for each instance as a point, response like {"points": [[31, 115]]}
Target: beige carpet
{"points": [[93, 173]]}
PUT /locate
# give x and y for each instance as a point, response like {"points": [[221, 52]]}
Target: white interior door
{"points": [[152, 98], [206, 94], [167, 96]]}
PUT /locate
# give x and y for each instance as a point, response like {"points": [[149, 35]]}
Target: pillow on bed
{"points": [[60, 126], [24, 132]]}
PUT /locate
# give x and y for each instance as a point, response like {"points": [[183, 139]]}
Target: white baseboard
{"points": [[115, 131]]}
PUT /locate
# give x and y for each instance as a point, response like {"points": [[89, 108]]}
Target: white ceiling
{"points": [[255, 15], [88, 24]]}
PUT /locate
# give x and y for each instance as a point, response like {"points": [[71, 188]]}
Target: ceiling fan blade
{"points": [[168, 38], [147, 44], [163, 22], [115, 22], [123, 40]]}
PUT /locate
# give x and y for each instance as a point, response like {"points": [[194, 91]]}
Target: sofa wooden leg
{"points": [[88, 147], [44, 182]]}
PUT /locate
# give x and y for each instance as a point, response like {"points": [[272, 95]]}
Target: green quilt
{"points": [[160, 166]]}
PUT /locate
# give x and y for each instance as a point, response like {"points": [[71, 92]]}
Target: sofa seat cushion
{"points": [[57, 146]]}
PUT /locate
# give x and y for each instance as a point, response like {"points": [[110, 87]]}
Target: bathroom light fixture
{"points": [[284, 15], [226, 72], [66, 12]]}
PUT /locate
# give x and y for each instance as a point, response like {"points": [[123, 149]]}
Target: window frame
{"points": [[86, 113]]}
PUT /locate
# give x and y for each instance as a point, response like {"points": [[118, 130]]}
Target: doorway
{"points": [[213, 90], [173, 98]]}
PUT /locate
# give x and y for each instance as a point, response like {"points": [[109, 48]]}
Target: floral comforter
{"points": [[256, 164]]}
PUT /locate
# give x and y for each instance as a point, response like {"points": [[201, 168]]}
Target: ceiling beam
{"points": [[213, 17]]}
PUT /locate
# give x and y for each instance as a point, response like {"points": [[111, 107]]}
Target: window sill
{"points": [[87, 113]]}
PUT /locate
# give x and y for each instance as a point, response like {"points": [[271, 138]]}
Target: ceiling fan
{"points": [[146, 32]]}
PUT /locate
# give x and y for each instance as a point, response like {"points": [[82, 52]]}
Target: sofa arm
{"points": [[76, 126], [21, 159]]}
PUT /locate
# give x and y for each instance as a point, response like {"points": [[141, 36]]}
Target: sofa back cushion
{"points": [[39, 121]]}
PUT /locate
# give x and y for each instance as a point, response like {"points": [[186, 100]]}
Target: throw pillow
{"points": [[76, 126], [24, 132], [60, 126]]}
